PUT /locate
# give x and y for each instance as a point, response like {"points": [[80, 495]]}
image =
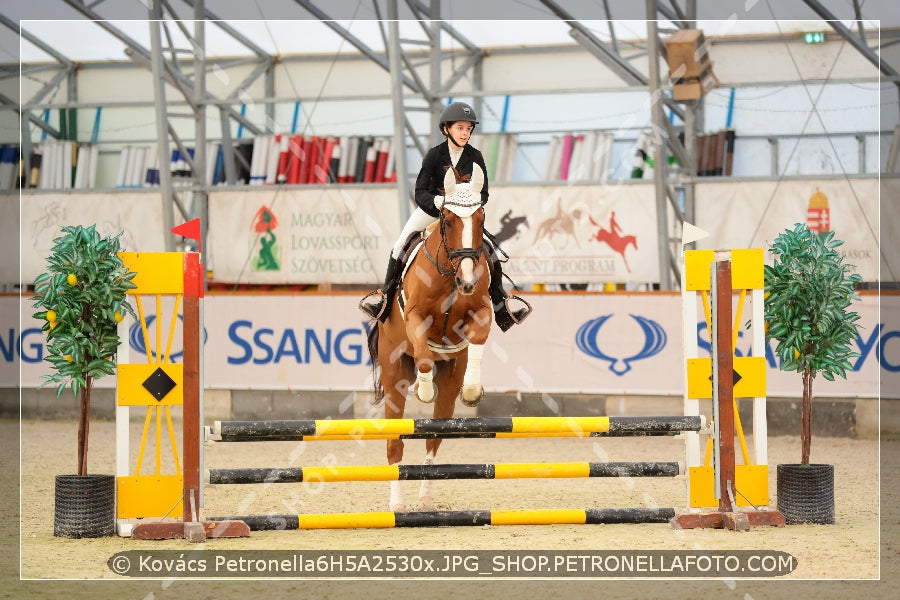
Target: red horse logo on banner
{"points": [[613, 237]]}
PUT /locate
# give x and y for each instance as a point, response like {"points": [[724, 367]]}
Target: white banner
{"points": [[553, 234], [323, 235], [573, 343], [752, 214], [138, 216], [9, 242], [576, 233], [890, 228]]}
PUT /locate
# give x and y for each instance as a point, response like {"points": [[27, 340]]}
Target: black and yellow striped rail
{"points": [[339, 429], [377, 520], [442, 471]]}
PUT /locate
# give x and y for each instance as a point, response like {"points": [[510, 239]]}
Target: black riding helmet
{"points": [[457, 111]]}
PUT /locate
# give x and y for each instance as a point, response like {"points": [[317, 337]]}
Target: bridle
{"points": [[455, 256]]}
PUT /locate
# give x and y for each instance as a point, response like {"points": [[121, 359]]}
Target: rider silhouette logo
{"points": [[613, 237], [264, 225], [510, 227]]}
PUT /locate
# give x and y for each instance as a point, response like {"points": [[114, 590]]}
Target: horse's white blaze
{"points": [[397, 502], [467, 267], [472, 379], [426, 490], [425, 392]]}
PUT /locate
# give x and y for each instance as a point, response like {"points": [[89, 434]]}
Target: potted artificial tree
{"points": [[81, 298], [808, 293]]}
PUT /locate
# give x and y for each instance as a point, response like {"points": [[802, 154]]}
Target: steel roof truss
{"points": [[142, 56], [60, 58], [357, 43], [855, 41], [221, 24]]}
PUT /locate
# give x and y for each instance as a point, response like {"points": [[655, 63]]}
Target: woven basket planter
{"points": [[85, 506], [806, 493]]}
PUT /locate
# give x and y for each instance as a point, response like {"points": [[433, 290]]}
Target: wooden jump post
{"points": [[182, 276], [723, 397]]}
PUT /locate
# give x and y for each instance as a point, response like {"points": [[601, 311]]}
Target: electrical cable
{"points": [[814, 111], [307, 126]]}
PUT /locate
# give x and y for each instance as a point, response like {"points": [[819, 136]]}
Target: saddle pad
{"points": [[401, 296]]}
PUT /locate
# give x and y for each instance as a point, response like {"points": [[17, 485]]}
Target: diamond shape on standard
{"points": [[159, 384]]}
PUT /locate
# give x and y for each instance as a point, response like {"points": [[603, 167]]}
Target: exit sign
{"points": [[815, 37]]}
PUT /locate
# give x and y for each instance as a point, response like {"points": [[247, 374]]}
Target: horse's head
{"points": [[462, 227]]}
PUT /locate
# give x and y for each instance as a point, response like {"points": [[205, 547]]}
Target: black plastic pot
{"points": [[806, 493], [85, 506]]}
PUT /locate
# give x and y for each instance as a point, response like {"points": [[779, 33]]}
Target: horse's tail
{"points": [[372, 340]]}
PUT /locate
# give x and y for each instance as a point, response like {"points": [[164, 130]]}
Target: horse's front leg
{"points": [[449, 378], [417, 331], [396, 375], [476, 332], [472, 390]]}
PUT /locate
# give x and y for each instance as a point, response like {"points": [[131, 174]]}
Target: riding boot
{"points": [[381, 308], [503, 316]]}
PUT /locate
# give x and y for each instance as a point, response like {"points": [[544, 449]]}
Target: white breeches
{"points": [[418, 221]]}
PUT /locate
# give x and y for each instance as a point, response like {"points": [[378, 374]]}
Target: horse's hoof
{"points": [[469, 399], [427, 502], [398, 507]]}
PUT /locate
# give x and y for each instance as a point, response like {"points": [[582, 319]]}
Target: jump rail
{"points": [[374, 520], [442, 471], [299, 430]]}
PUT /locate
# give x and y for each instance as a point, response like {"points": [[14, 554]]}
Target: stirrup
{"points": [[517, 315], [374, 310]]}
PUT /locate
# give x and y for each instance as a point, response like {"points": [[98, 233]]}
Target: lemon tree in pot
{"points": [[809, 291], [81, 299]]}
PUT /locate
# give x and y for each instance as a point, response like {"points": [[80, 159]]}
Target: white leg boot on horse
{"points": [[425, 388], [472, 390], [426, 490], [397, 503]]}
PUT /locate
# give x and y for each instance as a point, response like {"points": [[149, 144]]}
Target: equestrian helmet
{"points": [[457, 111]]}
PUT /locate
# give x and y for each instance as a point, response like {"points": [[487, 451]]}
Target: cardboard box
{"points": [[694, 89], [687, 53]]}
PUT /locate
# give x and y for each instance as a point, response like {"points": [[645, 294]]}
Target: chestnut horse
{"points": [[433, 340]]}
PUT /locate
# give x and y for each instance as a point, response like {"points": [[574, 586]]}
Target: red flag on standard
{"points": [[190, 230]]}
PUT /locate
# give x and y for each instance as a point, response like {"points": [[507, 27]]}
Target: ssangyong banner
{"points": [[618, 343]]}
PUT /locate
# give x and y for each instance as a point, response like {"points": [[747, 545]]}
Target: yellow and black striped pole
{"points": [[382, 520], [442, 471], [296, 430]]}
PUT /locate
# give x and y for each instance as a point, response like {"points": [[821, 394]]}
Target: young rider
{"points": [[457, 122]]}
